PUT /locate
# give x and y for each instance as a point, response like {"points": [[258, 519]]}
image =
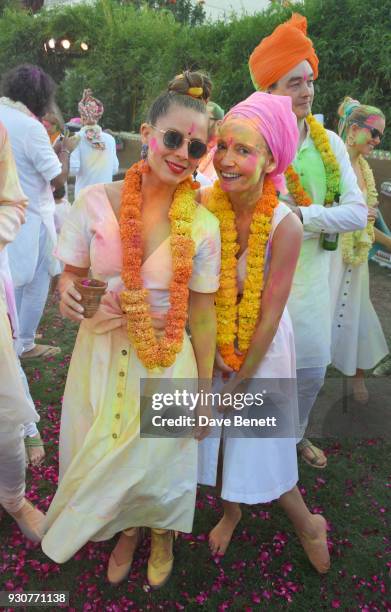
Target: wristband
{"points": [[65, 151]]}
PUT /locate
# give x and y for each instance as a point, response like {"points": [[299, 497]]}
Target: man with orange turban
{"points": [[285, 63]]}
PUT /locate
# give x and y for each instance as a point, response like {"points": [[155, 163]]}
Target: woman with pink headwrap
{"points": [[95, 159], [256, 462]]}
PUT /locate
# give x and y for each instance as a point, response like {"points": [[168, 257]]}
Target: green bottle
{"points": [[330, 241]]}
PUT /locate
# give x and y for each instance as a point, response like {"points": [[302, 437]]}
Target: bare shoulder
{"points": [[289, 228], [113, 192]]}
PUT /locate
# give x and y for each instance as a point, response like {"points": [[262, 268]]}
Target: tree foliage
{"points": [[136, 49]]}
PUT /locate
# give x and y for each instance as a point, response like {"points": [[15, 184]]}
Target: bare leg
{"points": [[221, 534], [310, 528], [360, 392]]}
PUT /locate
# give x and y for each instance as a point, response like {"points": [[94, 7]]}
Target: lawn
{"points": [[264, 567]]}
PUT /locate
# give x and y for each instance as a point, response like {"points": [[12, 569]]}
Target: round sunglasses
{"points": [[375, 133], [172, 139]]}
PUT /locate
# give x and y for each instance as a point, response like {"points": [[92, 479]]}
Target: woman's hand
{"points": [[373, 213], [201, 431], [70, 142], [70, 306], [220, 364]]}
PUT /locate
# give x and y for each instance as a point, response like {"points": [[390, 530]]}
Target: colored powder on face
{"points": [[192, 128], [362, 138], [153, 145]]}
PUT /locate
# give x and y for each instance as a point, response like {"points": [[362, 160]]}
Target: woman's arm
{"points": [[383, 239], [285, 253], [70, 298], [203, 329]]}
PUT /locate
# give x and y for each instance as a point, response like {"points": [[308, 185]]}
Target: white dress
{"points": [[110, 478], [357, 339], [257, 470]]}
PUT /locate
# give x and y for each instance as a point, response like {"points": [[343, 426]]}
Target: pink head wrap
{"points": [[273, 117]]}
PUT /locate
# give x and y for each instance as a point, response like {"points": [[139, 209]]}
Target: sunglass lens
{"points": [[197, 149], [173, 139], [376, 134]]}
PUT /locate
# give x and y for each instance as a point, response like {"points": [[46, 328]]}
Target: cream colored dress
{"points": [[357, 340], [110, 478]]}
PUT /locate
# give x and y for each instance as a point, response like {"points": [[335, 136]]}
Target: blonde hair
{"points": [[352, 112]]}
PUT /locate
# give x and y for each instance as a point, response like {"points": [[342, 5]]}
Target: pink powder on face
{"points": [[192, 128], [153, 145]]}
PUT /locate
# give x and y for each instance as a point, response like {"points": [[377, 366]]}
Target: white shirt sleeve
{"points": [[74, 161], [352, 212], [115, 158], [40, 152]]}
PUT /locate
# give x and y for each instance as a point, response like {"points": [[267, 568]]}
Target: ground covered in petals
{"points": [[264, 567]]}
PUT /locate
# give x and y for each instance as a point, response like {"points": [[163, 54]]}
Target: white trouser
{"points": [[30, 429], [31, 298], [12, 468], [309, 383]]}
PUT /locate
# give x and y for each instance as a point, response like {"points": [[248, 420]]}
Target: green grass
{"points": [[264, 567]]}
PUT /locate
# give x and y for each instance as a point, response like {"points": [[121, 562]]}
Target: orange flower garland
{"points": [[155, 352], [331, 166], [233, 318]]}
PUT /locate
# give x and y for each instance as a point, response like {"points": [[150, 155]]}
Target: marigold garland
{"points": [[233, 318], [356, 245], [331, 166], [155, 352]]}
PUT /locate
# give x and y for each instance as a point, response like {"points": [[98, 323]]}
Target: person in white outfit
{"points": [[95, 159], [28, 94], [257, 140], [358, 342], [16, 408], [321, 176]]}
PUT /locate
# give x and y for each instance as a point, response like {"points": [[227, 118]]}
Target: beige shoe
{"points": [[161, 559], [117, 572], [30, 521]]}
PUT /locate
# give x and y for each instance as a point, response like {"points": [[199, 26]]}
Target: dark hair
{"points": [[178, 93], [30, 85]]}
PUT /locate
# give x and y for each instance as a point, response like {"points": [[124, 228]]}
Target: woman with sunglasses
{"points": [[256, 143], [160, 255], [358, 342]]}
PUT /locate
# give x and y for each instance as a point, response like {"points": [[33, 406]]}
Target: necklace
{"points": [[331, 166], [235, 319], [152, 351], [356, 245]]}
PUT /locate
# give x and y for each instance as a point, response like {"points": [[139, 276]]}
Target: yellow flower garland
{"points": [[356, 245], [242, 318], [331, 166]]}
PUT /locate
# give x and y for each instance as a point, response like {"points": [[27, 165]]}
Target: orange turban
{"points": [[278, 53]]}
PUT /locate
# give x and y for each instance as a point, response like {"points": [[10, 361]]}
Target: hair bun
{"points": [[194, 84]]}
